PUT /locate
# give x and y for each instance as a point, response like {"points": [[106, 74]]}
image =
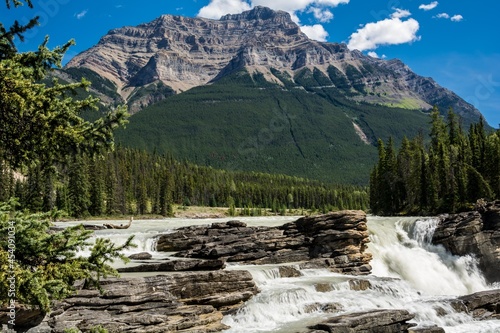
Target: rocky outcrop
{"points": [[182, 53], [140, 256], [476, 233], [177, 302], [377, 321], [335, 240], [481, 305]]}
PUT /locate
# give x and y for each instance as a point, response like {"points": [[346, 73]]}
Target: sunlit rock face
{"points": [[183, 53]]}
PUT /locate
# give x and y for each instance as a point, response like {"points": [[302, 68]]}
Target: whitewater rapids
{"points": [[408, 273]]}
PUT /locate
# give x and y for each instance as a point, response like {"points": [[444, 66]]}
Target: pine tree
{"points": [[34, 190], [79, 187], [448, 176], [47, 265], [97, 187], [41, 129]]}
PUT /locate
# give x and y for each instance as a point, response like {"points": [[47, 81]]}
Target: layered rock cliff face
{"points": [[475, 233], [177, 302], [184, 52], [335, 240]]}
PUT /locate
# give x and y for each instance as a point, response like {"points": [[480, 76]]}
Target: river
{"points": [[408, 273]]}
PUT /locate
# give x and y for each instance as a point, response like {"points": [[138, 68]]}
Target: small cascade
{"points": [[144, 233], [420, 230], [145, 241]]}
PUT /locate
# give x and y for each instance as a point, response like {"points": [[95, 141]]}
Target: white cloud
{"points": [[322, 15], [373, 54], [217, 8], [319, 8], [443, 15], [400, 13], [454, 18], [430, 6], [391, 31], [316, 32], [297, 5], [81, 14]]}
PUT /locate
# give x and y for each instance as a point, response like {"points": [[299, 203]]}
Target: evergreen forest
{"points": [[128, 181], [447, 173]]}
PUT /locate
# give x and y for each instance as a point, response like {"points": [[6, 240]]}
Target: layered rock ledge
{"points": [[386, 321], [176, 302], [336, 240], [476, 233], [482, 305]]}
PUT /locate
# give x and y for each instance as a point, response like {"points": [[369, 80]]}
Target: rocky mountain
{"points": [[172, 54], [252, 92]]}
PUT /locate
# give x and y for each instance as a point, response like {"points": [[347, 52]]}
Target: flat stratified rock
{"points": [[176, 302], [482, 305], [336, 240], [377, 321], [176, 266]]}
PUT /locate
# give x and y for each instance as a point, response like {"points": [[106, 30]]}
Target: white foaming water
{"points": [[401, 248], [408, 273]]}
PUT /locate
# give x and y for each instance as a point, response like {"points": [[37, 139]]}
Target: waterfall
{"points": [[402, 249], [408, 273]]}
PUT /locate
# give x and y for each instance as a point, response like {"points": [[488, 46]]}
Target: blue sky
{"points": [[454, 42]]}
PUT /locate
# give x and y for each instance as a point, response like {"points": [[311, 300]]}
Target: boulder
{"points": [[359, 285], [288, 272], [176, 302], [335, 240], [376, 321], [141, 256], [482, 305], [475, 233]]}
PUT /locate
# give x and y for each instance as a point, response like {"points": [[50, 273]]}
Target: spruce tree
{"points": [[41, 124], [79, 187], [40, 128]]}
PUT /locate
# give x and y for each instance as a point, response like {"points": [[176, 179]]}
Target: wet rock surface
{"points": [[378, 321], [140, 256], [482, 305], [475, 233], [336, 240]]}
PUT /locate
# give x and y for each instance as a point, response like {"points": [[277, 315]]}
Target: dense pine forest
{"points": [[448, 174], [130, 181]]}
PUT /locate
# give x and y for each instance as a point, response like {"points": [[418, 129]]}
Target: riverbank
{"points": [[200, 212]]}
